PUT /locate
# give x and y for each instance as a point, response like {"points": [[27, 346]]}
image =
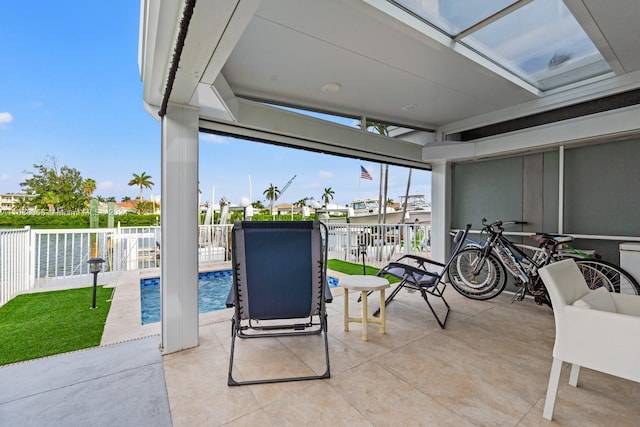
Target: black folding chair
{"points": [[279, 285], [424, 275]]}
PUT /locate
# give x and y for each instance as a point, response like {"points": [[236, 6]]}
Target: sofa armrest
{"points": [[627, 304], [607, 342]]}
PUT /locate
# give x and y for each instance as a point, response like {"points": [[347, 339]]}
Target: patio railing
{"points": [[34, 258], [380, 244], [14, 262]]}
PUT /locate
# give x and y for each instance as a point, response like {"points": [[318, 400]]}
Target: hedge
{"points": [[79, 220]]}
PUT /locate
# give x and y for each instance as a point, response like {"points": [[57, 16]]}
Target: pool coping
{"points": [[124, 322]]}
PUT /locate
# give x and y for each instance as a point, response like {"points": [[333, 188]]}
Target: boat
{"points": [[365, 211], [418, 208]]}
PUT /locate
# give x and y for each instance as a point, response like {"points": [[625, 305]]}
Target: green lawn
{"points": [[46, 323], [353, 268]]}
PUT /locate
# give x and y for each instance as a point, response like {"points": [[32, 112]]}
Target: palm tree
{"points": [[302, 202], [20, 205], [272, 193], [88, 187], [50, 199], [143, 207], [142, 181], [125, 199], [327, 195]]}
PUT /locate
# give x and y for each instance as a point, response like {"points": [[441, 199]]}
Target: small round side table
{"points": [[364, 284]]}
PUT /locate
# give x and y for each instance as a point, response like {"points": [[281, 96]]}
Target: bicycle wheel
{"points": [[602, 273], [488, 283]]}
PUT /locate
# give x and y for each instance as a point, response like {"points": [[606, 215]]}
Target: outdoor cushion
{"points": [[599, 299]]}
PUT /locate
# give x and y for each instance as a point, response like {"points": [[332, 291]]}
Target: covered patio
{"points": [[512, 107], [488, 367]]}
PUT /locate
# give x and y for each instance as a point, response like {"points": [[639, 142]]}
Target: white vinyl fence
{"points": [[14, 262], [379, 244], [32, 258]]}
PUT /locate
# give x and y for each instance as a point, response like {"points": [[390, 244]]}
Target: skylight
{"points": [[537, 40]]}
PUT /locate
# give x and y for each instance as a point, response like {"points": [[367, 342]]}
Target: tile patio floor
{"points": [[489, 367]]}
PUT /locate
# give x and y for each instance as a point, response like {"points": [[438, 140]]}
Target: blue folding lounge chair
{"points": [[279, 285], [424, 275]]}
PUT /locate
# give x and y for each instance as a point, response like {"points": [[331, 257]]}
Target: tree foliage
{"points": [[145, 207], [327, 195], [142, 181], [89, 186], [302, 202], [272, 193], [55, 188]]}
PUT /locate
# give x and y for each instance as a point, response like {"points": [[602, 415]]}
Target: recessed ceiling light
{"points": [[409, 107], [332, 87]]}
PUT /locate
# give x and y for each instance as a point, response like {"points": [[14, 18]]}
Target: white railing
{"points": [[14, 263], [64, 253], [34, 258], [380, 244]]}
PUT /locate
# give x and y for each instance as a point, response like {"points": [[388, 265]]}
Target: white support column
{"points": [[440, 210], [179, 226], [561, 189]]}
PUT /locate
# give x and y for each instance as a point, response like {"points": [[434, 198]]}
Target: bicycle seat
{"points": [[543, 238]]}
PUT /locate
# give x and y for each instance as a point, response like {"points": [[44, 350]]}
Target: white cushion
{"points": [[600, 299]]}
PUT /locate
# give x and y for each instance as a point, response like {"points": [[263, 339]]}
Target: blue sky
{"points": [[70, 88]]}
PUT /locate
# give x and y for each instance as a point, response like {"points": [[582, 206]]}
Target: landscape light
{"points": [[95, 267]]}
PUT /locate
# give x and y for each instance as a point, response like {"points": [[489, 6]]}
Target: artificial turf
{"points": [[353, 268], [46, 323]]}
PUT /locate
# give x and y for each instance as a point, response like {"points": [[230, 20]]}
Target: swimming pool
{"points": [[213, 290]]}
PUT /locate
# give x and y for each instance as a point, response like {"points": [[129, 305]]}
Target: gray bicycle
{"points": [[480, 270]]}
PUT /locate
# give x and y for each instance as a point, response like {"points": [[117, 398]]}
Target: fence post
{"points": [[31, 247], [347, 250]]}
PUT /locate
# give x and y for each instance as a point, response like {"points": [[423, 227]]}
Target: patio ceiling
{"points": [[381, 62]]}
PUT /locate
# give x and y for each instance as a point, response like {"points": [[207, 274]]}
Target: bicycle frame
{"points": [[480, 270], [511, 255]]}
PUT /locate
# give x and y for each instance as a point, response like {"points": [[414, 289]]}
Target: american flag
{"points": [[364, 174]]}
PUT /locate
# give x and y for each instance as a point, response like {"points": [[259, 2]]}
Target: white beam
{"points": [[259, 121], [179, 228], [214, 30], [594, 127]]}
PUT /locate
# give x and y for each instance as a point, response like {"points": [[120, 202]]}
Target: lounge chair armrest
{"points": [[231, 299], [422, 260], [411, 269], [413, 257], [328, 296]]}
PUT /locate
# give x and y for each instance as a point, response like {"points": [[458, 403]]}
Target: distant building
{"points": [[7, 201]]}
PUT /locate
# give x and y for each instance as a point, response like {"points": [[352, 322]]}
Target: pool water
{"points": [[213, 290]]}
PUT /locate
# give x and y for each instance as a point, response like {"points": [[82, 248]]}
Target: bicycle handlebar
{"points": [[499, 223]]}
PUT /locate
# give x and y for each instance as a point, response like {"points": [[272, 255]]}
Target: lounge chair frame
{"points": [[291, 304], [417, 276]]}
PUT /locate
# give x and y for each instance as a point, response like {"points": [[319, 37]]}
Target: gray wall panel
{"points": [[532, 192], [602, 189], [489, 189]]}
